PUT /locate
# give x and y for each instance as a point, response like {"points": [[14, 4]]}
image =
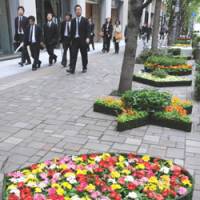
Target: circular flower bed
{"points": [[100, 177]]}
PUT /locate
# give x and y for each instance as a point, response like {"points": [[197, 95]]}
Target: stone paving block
{"points": [[193, 143], [20, 125], [151, 139], [97, 147], [125, 147], [133, 141], [13, 140], [26, 151], [111, 138], [175, 153], [72, 146]]}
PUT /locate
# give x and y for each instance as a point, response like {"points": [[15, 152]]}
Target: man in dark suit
{"points": [[33, 38], [80, 39], [51, 38], [21, 23], [65, 35]]}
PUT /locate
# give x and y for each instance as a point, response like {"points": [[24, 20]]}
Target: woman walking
{"points": [[117, 35]]}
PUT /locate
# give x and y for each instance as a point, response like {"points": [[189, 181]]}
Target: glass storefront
{"points": [[5, 35]]}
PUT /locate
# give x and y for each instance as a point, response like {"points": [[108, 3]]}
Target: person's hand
{"points": [[87, 40]]}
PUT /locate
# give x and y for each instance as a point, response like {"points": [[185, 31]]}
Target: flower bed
{"points": [[168, 81], [173, 66], [100, 176], [141, 107]]}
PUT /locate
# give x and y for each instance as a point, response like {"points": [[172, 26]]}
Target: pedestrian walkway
{"points": [[11, 67], [47, 113]]}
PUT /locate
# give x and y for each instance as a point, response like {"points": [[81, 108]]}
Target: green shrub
{"points": [[166, 60], [174, 52], [141, 59], [183, 42], [148, 100], [159, 73], [197, 86]]}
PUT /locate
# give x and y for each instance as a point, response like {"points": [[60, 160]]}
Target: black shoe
{"points": [[34, 68], [21, 64], [28, 63], [70, 71], [84, 70], [54, 59], [39, 64]]}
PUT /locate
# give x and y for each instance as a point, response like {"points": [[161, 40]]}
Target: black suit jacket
{"points": [[107, 31], [91, 29], [84, 31], [62, 31], [38, 35], [24, 24], [51, 34]]}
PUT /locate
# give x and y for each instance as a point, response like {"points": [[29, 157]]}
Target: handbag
{"points": [[118, 36]]}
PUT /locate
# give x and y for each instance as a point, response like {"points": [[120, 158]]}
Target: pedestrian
{"points": [[144, 36], [92, 34], [107, 30], [21, 23], [65, 35], [33, 38], [117, 35], [51, 38], [80, 39]]}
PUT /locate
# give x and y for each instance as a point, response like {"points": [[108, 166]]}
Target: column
{"points": [[124, 14], [106, 7], [82, 3], [30, 7], [149, 12]]}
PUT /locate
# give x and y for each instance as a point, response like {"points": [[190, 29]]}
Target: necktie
{"points": [[68, 28], [31, 34], [20, 24], [77, 26]]}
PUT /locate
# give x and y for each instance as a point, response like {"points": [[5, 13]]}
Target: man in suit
{"points": [[51, 38], [21, 23], [65, 35], [92, 34], [33, 38], [80, 39]]}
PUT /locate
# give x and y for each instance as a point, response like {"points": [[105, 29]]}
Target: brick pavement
{"points": [[48, 113]]}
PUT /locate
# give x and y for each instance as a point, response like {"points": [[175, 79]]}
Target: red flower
{"points": [[20, 185], [25, 194], [114, 195], [131, 186], [13, 197]]}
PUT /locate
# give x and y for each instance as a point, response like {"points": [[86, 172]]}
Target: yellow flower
{"points": [[68, 174], [63, 166], [38, 190], [90, 187], [12, 187], [80, 171], [55, 185], [126, 171], [120, 164], [115, 174], [140, 166], [67, 185], [67, 198], [186, 182], [170, 163], [146, 158], [116, 186], [105, 156], [153, 179], [121, 158], [60, 191]]}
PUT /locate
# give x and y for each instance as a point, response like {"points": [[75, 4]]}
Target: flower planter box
{"points": [[162, 84], [106, 110], [132, 124], [175, 73], [188, 109], [102, 160], [168, 123]]}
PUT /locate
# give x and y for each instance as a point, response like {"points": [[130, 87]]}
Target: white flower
{"points": [[17, 180], [71, 179], [165, 170], [15, 191], [76, 197], [110, 180], [31, 184], [42, 185], [129, 179], [98, 159], [132, 195], [53, 166]]}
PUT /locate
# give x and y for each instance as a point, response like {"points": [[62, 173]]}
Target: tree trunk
{"points": [[134, 19], [156, 25]]}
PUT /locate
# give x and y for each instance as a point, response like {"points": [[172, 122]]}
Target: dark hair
{"points": [[68, 14], [117, 20], [21, 7], [77, 6], [31, 18]]}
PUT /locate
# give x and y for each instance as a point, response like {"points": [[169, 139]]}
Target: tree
{"points": [[156, 25], [135, 10]]}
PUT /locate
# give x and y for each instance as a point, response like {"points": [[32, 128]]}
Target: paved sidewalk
{"points": [[48, 113]]}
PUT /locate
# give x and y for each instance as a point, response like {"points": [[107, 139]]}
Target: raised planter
{"points": [[188, 109], [132, 124], [162, 84], [171, 124], [170, 72], [70, 181], [106, 110]]}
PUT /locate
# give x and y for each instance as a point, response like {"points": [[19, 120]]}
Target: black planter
{"points": [[162, 84], [106, 110]]}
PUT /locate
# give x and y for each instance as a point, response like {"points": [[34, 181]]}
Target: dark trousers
{"points": [[35, 53], [116, 46], [50, 51], [76, 45], [106, 43], [24, 53], [91, 42], [66, 45]]}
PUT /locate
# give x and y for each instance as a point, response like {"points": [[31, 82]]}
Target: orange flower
{"points": [[179, 109]]}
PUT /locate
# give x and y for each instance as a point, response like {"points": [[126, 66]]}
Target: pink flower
{"points": [[51, 191], [15, 174], [43, 176], [39, 197], [182, 191], [94, 195]]}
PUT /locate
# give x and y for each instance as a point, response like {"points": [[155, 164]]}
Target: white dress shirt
{"points": [[33, 35], [68, 23], [20, 19], [78, 20]]}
